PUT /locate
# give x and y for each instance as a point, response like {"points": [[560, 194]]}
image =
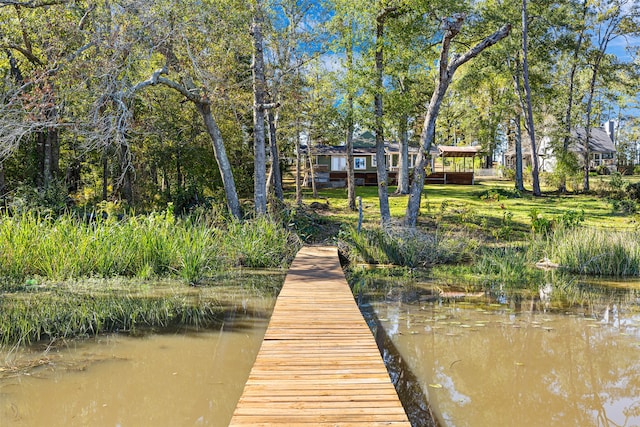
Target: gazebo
{"points": [[463, 177]]}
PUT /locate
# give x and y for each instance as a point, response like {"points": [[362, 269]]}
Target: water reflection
{"points": [[176, 378], [563, 355]]}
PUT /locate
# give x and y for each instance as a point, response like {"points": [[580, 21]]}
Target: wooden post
{"points": [[359, 199], [473, 170]]}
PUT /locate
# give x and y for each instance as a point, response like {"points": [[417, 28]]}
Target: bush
{"points": [[540, 224]]}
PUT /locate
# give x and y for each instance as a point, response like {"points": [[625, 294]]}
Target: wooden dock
{"points": [[319, 364]]}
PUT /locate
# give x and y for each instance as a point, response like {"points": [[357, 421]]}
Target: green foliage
{"points": [[509, 267], [540, 224], [138, 246], [595, 251], [506, 227], [498, 194], [566, 220], [30, 317], [52, 200], [404, 247]]}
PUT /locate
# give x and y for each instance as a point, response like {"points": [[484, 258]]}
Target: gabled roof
{"points": [[599, 142]]}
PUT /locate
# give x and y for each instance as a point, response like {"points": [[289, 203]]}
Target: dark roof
{"points": [[341, 150], [328, 150], [599, 142]]}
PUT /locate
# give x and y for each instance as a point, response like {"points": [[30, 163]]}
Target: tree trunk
{"points": [[562, 187], [3, 188], [518, 144], [587, 129], [125, 180], [259, 89], [381, 163], [275, 173], [529, 110], [403, 156], [105, 176], [351, 179], [298, 164], [46, 160], [179, 179], [221, 158], [313, 175], [451, 27]]}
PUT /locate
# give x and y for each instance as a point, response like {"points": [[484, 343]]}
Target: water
{"points": [[558, 357], [174, 378]]}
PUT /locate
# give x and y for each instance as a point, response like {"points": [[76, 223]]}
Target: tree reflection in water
{"points": [[566, 354]]}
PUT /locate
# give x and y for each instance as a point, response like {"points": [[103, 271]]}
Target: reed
{"points": [[507, 267], [155, 245], [30, 317], [598, 252], [404, 247]]}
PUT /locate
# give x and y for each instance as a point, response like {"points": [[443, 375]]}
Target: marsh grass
{"points": [[155, 245], [596, 252], [507, 267], [48, 312], [403, 247], [30, 317]]}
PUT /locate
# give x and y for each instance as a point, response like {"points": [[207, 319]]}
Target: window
{"points": [[360, 163], [374, 161], [338, 163]]}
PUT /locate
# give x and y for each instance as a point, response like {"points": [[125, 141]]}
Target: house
{"points": [[602, 151], [330, 162]]}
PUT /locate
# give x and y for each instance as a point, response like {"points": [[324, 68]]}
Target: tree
{"points": [[381, 161], [613, 19], [451, 27], [259, 92], [525, 100]]}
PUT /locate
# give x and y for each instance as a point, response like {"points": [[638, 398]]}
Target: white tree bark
{"points": [[259, 90], [451, 27]]}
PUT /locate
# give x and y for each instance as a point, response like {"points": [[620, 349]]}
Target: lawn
{"points": [[488, 205]]}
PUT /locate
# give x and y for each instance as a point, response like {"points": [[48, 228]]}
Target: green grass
{"points": [[595, 252], [465, 207], [155, 245], [89, 307]]}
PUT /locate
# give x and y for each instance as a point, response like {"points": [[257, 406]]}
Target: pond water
{"points": [[174, 378], [566, 355]]}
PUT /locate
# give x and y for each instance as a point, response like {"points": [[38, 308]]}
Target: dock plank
{"points": [[318, 364]]}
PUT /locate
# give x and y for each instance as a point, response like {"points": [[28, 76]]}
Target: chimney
{"points": [[611, 127]]}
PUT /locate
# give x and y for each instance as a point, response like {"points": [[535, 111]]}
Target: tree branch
{"points": [[32, 4], [30, 56], [487, 42]]}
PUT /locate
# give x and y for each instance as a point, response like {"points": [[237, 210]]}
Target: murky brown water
{"points": [[538, 360], [171, 379]]}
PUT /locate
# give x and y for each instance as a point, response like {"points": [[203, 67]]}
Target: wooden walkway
{"points": [[319, 364]]}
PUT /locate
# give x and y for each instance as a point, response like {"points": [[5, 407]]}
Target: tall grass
{"points": [[507, 267], [404, 247], [30, 317], [594, 251], [154, 245]]}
